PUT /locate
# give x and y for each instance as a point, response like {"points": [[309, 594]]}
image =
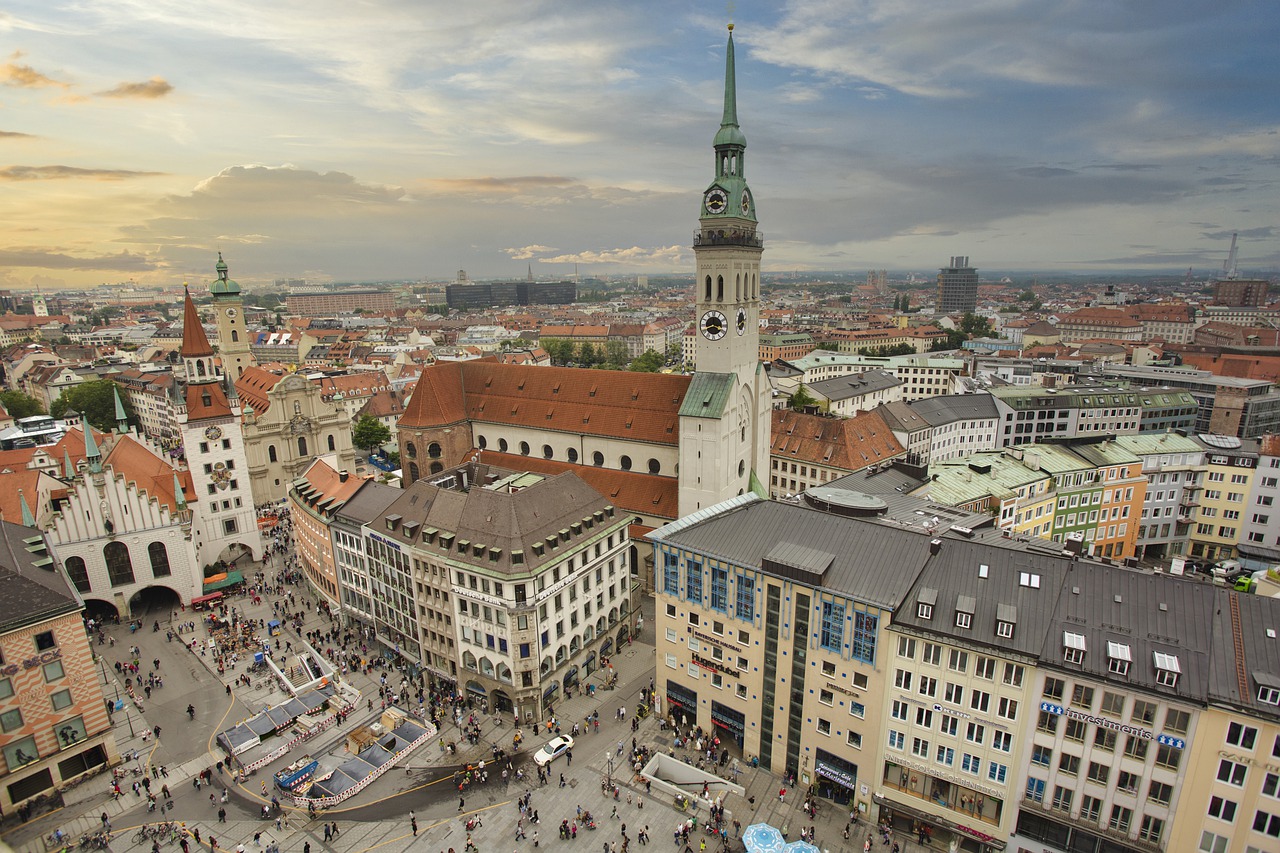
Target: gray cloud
{"points": [[1245, 233], [47, 173], [13, 134], [1044, 172], [121, 262], [156, 87]]}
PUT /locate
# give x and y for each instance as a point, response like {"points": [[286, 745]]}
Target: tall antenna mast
{"points": [[1229, 269]]}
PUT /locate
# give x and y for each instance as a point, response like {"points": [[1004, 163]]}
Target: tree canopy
{"points": [[370, 433], [96, 402], [800, 398], [20, 405], [649, 361]]}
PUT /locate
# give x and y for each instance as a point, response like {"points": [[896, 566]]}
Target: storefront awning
{"points": [[231, 578]]}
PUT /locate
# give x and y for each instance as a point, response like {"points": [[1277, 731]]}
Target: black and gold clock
{"points": [[714, 326], [746, 202], [716, 201], [213, 433], [742, 320]]}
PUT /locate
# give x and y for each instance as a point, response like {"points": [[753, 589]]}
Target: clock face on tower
{"points": [[714, 325], [742, 320], [213, 433], [716, 201], [746, 202], [231, 313]]}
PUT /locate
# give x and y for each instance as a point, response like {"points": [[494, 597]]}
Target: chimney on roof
{"points": [[343, 476]]}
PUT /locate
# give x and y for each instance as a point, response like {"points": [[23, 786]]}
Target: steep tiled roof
{"points": [[649, 494], [195, 342], [254, 385], [139, 464], [847, 443], [207, 401], [13, 481], [638, 406]]}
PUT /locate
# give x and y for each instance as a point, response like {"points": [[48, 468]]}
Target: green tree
{"points": [[561, 351], [615, 353], [975, 326], [829, 346], [649, 361], [588, 356], [800, 398], [96, 402], [20, 405], [370, 433]]}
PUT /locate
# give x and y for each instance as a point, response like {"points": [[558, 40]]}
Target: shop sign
{"points": [[835, 774], [1247, 759], [1115, 725], [714, 666], [716, 642], [840, 688], [937, 773], [31, 663], [388, 542]]}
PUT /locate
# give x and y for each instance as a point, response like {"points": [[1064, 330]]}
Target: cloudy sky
{"points": [[407, 139]]}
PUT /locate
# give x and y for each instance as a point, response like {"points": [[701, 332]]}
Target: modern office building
{"points": [[469, 296], [957, 287], [337, 302], [1241, 292]]}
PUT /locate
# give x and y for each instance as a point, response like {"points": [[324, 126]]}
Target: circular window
{"points": [[597, 459], [547, 453], [655, 467], [573, 455], [502, 445], [625, 463], [483, 442], [524, 448]]}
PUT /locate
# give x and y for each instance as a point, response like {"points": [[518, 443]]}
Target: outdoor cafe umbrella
{"points": [[801, 847], [763, 838]]}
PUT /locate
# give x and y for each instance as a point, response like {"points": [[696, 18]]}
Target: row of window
{"points": [[571, 455], [119, 565]]}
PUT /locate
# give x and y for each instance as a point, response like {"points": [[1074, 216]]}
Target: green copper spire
{"points": [[28, 520], [91, 453], [178, 495], [122, 420], [68, 469], [729, 133]]}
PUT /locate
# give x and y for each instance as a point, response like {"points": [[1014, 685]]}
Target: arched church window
{"points": [[720, 288], [79, 573], [482, 442], [159, 560], [625, 463], [410, 450], [436, 467], [597, 459], [433, 450], [119, 565], [413, 472], [200, 368], [655, 467], [708, 298], [235, 336], [737, 287], [332, 444], [302, 446], [271, 453]]}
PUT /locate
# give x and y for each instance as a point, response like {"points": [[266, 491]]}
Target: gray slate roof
{"points": [[31, 587], [956, 407], [854, 385], [1148, 613], [868, 562], [369, 502], [1260, 662]]}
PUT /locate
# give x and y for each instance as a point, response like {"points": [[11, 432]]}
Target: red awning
{"points": [[205, 599]]}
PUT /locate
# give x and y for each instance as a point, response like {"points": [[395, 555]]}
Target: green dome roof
{"points": [[223, 286]]}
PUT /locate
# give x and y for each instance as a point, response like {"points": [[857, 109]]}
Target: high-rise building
{"points": [[1241, 292], [957, 287]]}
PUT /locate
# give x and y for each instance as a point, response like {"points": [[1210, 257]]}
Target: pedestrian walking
{"points": [[535, 838], [413, 824]]}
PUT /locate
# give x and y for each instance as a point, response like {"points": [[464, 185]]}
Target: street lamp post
{"points": [[609, 775]]}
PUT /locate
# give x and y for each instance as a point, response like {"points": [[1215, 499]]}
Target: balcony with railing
{"points": [[729, 237]]}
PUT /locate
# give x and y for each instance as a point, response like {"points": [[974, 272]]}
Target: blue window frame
{"points": [[971, 764], [865, 627], [745, 608], [832, 638], [1035, 790], [693, 580], [719, 589], [670, 574]]}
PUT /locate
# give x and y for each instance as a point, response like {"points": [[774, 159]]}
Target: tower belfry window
{"points": [[720, 288]]}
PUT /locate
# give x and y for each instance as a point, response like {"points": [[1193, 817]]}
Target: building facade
{"points": [[957, 287], [53, 717]]}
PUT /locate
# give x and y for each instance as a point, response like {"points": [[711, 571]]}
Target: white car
{"points": [[553, 749]]}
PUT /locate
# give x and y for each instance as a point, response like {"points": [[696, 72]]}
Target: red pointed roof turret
{"points": [[195, 343]]}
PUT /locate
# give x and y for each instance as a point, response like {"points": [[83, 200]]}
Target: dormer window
{"points": [[1167, 669], [965, 606], [925, 603], [1073, 647], [1004, 629], [1006, 618], [1118, 658]]}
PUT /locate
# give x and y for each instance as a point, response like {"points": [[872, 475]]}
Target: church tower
{"points": [[724, 423], [224, 520], [233, 339]]}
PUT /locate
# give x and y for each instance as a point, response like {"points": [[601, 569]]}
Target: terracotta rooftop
{"points": [[195, 342], [850, 444], [140, 465], [637, 406], [647, 494], [253, 386]]}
